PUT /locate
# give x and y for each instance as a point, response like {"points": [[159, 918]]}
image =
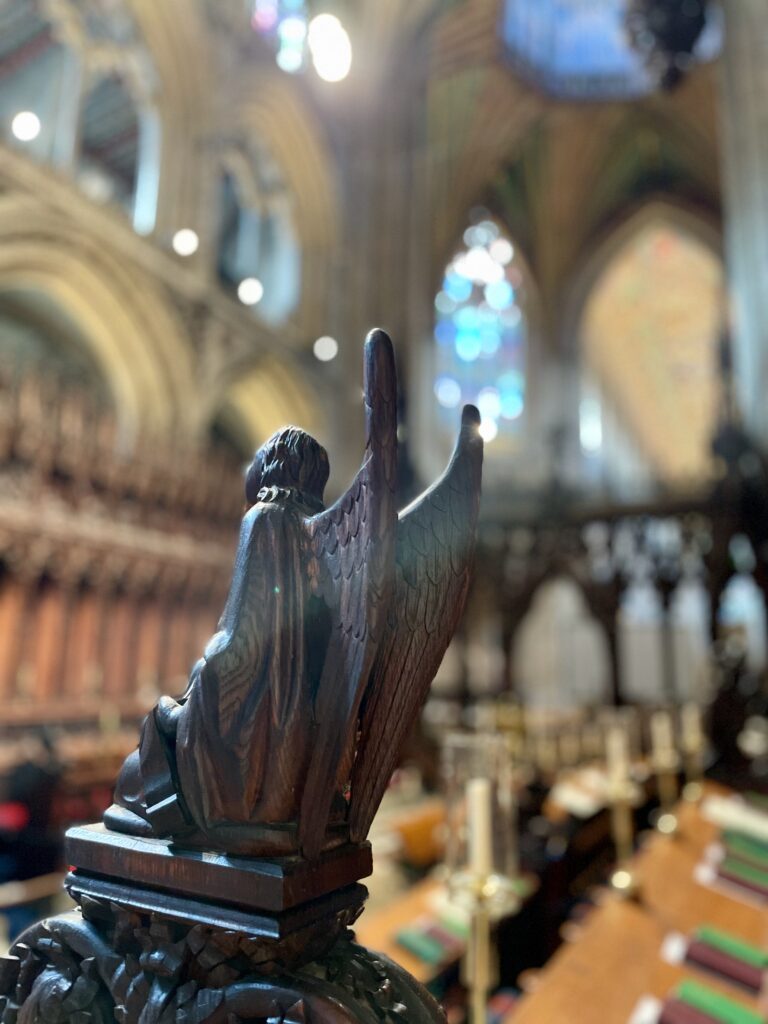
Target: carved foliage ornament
{"points": [[112, 964]]}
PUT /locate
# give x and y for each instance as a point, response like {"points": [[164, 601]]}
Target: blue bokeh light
{"points": [[445, 332], [499, 295], [448, 392], [468, 346], [459, 288], [480, 330]]}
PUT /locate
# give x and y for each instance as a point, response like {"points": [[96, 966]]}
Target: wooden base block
{"points": [[249, 882], [90, 891]]}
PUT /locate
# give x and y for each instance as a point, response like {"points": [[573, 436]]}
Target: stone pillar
{"points": [[381, 262], [745, 153]]}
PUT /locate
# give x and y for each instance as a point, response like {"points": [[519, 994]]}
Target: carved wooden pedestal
{"points": [[203, 938]]}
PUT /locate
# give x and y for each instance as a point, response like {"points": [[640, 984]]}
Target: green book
{"points": [[456, 924], [421, 945], [745, 846], [747, 872], [711, 1003], [732, 945]]}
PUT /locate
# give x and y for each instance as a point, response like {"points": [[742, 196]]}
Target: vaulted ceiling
{"points": [[439, 102]]}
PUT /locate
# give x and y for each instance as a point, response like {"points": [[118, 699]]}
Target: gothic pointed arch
{"points": [[645, 313], [260, 400], [135, 335]]}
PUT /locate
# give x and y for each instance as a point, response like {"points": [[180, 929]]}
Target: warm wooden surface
{"points": [[671, 894], [615, 959], [377, 931], [600, 977]]}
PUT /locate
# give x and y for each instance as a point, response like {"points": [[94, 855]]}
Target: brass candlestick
{"points": [[622, 797], [478, 973], [666, 762], [623, 880], [693, 751], [481, 858], [478, 968]]}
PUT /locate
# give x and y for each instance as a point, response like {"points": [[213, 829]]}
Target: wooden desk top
{"points": [[377, 931], [665, 867], [600, 978], [615, 959]]}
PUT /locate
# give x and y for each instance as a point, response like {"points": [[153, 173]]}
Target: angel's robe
{"points": [[246, 728]]}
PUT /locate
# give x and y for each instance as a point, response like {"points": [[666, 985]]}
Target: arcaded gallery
{"points": [[383, 511]]}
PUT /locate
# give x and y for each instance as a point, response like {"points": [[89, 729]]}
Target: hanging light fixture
{"points": [[330, 48], [665, 34]]}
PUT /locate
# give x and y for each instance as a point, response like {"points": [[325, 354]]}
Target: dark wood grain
{"points": [[244, 881], [434, 548], [335, 625], [116, 964]]}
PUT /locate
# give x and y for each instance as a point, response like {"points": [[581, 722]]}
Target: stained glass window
{"points": [[480, 332], [649, 335]]}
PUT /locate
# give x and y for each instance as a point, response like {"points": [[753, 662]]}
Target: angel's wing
{"points": [[434, 549], [351, 557]]}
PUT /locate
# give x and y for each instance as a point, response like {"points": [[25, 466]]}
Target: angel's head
{"points": [[290, 459]]}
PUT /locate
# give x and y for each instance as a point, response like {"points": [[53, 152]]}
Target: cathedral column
{"points": [[745, 153], [377, 129]]}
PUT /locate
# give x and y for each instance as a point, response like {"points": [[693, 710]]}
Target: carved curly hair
{"points": [[291, 459]]}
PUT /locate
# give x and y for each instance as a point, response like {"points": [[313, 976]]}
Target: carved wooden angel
{"points": [[336, 622]]}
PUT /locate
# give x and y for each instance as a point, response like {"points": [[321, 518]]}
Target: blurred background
{"points": [[557, 208]]}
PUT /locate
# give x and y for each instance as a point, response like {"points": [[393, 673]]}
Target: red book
{"points": [[676, 1012], [745, 883], [725, 965]]}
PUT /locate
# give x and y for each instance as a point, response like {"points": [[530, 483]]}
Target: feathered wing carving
{"points": [[434, 551], [351, 562]]}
